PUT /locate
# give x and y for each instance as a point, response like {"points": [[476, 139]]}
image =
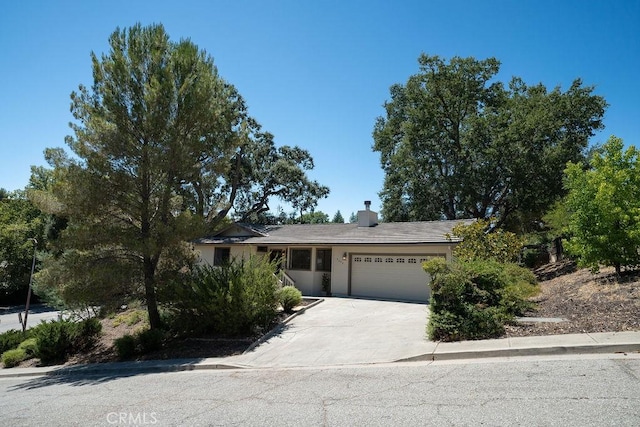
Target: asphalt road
{"points": [[576, 391], [37, 313]]}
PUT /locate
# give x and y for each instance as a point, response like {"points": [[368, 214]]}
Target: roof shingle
{"points": [[341, 234]]}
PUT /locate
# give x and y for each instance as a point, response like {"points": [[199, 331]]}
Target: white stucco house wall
{"points": [[364, 259]]}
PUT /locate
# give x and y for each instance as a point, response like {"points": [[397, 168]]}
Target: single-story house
{"points": [[364, 259]]}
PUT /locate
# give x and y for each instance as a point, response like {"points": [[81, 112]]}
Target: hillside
{"points": [[590, 302]]}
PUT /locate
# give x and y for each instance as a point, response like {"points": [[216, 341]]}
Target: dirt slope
{"points": [[590, 302]]}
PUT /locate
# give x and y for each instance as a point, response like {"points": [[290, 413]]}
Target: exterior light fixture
{"points": [[344, 256]]}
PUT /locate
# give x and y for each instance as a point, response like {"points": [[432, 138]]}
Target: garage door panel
{"points": [[390, 276]]}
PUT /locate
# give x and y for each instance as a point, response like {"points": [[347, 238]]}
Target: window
{"points": [[367, 259], [221, 256], [388, 260], [357, 259], [378, 259], [400, 260], [412, 260], [301, 259], [323, 260]]}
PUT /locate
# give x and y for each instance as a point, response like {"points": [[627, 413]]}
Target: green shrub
{"points": [[534, 257], [436, 266], [237, 298], [142, 342], [125, 346], [521, 286], [289, 298], [473, 323], [474, 299], [449, 290], [11, 358], [507, 285], [489, 278], [57, 339], [30, 346], [445, 326], [54, 341], [483, 240], [12, 338], [485, 322], [84, 334], [150, 340]]}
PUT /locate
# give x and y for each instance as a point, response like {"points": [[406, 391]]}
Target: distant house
{"points": [[367, 259]]}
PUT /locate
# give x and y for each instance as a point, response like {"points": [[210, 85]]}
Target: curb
{"points": [[153, 367], [526, 351]]}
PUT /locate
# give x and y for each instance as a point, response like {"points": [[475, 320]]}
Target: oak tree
{"points": [[456, 143]]}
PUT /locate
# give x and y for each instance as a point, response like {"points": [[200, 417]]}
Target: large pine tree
{"points": [[163, 149]]}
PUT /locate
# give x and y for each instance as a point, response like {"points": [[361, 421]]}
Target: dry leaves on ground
{"points": [[590, 302]]}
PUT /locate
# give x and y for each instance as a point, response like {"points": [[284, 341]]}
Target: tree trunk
{"points": [[618, 268], [150, 293]]}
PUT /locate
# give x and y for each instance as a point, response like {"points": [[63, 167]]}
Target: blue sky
{"points": [[315, 74]]}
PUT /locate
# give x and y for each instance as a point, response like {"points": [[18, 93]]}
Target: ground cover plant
{"points": [[51, 342]]}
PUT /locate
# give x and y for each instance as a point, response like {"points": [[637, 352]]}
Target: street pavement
{"points": [[37, 313], [567, 391], [347, 332]]}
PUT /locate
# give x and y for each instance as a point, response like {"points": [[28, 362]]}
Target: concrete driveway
{"points": [[343, 331]]}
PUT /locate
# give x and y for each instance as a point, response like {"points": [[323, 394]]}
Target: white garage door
{"points": [[399, 277]]}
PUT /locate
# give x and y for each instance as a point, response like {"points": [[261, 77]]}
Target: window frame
{"points": [[223, 258], [327, 254], [293, 259]]}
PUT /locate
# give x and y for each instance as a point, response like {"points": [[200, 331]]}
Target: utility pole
{"points": [[23, 322]]}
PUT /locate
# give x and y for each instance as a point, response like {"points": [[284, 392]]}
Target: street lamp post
{"points": [[23, 322]]}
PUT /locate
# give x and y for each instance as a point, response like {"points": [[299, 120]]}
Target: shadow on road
{"points": [[96, 374]]}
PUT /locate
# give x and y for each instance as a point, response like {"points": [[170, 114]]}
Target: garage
{"points": [[370, 259], [390, 276]]}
